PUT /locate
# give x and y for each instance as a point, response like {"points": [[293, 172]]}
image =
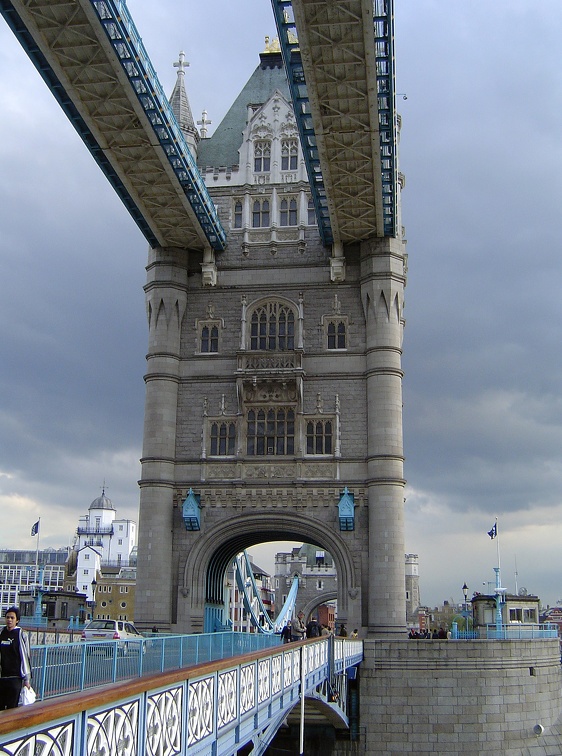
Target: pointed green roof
{"points": [[221, 149]]}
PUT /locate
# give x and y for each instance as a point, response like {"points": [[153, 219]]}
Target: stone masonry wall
{"points": [[459, 697]]}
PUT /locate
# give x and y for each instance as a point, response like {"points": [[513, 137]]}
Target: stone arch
{"points": [[314, 603], [208, 559]]}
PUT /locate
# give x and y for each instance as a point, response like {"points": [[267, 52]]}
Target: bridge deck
{"points": [[214, 708]]}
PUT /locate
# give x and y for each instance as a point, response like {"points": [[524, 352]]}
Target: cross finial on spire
{"points": [[204, 123], [181, 63]]}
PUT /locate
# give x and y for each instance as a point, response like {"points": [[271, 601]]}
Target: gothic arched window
{"points": [[319, 436], [272, 328], [262, 155], [209, 338], [223, 439], [238, 214], [271, 432], [311, 212], [260, 214], [288, 212], [289, 155]]}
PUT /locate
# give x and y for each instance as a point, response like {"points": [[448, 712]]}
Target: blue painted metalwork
{"points": [[383, 28], [506, 632], [251, 592], [125, 40], [72, 667], [214, 710], [122, 33], [192, 511], [383, 24], [287, 31], [288, 607], [346, 510]]}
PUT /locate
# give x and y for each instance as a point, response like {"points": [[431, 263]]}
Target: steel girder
{"points": [[344, 98], [93, 60]]}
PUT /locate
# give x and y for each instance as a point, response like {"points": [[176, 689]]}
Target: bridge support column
{"points": [[382, 289], [166, 300]]}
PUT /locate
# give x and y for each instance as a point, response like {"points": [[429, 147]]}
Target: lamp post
{"points": [[465, 612], [94, 586]]}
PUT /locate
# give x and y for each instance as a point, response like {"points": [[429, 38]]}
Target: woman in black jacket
{"points": [[15, 660]]}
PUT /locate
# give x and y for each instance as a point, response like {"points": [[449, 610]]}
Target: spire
{"points": [[181, 108]]}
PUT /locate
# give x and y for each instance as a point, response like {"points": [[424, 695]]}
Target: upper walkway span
{"points": [[340, 63], [95, 64]]}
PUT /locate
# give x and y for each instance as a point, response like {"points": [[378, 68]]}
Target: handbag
{"points": [[27, 696]]}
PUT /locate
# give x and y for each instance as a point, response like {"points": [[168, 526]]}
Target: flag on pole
{"points": [[494, 531], [35, 529]]}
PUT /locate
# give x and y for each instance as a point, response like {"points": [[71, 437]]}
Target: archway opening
{"points": [[257, 586]]}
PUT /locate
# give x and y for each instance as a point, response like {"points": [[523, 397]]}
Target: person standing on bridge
{"points": [[298, 628], [15, 660]]}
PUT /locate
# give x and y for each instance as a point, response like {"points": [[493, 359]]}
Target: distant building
{"points": [[103, 562], [412, 587], [317, 576], [114, 597], [554, 615], [318, 580], [59, 609], [520, 610], [18, 572]]}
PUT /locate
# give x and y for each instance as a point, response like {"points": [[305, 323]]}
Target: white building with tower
{"points": [[102, 540]]}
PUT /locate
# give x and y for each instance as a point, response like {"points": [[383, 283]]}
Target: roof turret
{"points": [[181, 108]]}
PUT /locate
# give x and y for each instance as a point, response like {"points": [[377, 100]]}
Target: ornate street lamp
{"points": [[94, 586]]}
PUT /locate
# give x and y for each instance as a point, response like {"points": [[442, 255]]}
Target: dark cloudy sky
{"points": [[482, 153]]}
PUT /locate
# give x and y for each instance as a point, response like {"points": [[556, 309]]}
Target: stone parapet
{"points": [[469, 697]]}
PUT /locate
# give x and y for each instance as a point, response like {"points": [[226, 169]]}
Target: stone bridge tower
{"points": [[273, 386]]}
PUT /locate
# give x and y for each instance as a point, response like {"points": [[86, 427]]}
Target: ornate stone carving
{"points": [[270, 470], [216, 472]]}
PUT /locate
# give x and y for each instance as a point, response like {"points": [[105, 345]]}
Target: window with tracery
{"points": [[238, 214], [262, 156], [319, 436], [271, 431], [336, 334], [289, 155], [272, 327], [311, 213], [260, 213], [288, 212], [209, 339], [223, 439]]}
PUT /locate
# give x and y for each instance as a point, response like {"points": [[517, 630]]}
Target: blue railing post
{"points": [[454, 631], [83, 668], [43, 673], [115, 652]]}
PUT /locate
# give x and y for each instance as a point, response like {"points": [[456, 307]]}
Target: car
{"points": [[127, 635]]}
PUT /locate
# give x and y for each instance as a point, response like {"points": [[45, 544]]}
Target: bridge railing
{"points": [[506, 632], [72, 667], [213, 708]]}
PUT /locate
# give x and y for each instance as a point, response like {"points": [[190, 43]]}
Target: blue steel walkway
{"points": [[72, 667], [214, 708]]}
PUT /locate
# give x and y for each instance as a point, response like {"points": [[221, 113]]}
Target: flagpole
{"points": [[37, 553], [499, 588]]}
